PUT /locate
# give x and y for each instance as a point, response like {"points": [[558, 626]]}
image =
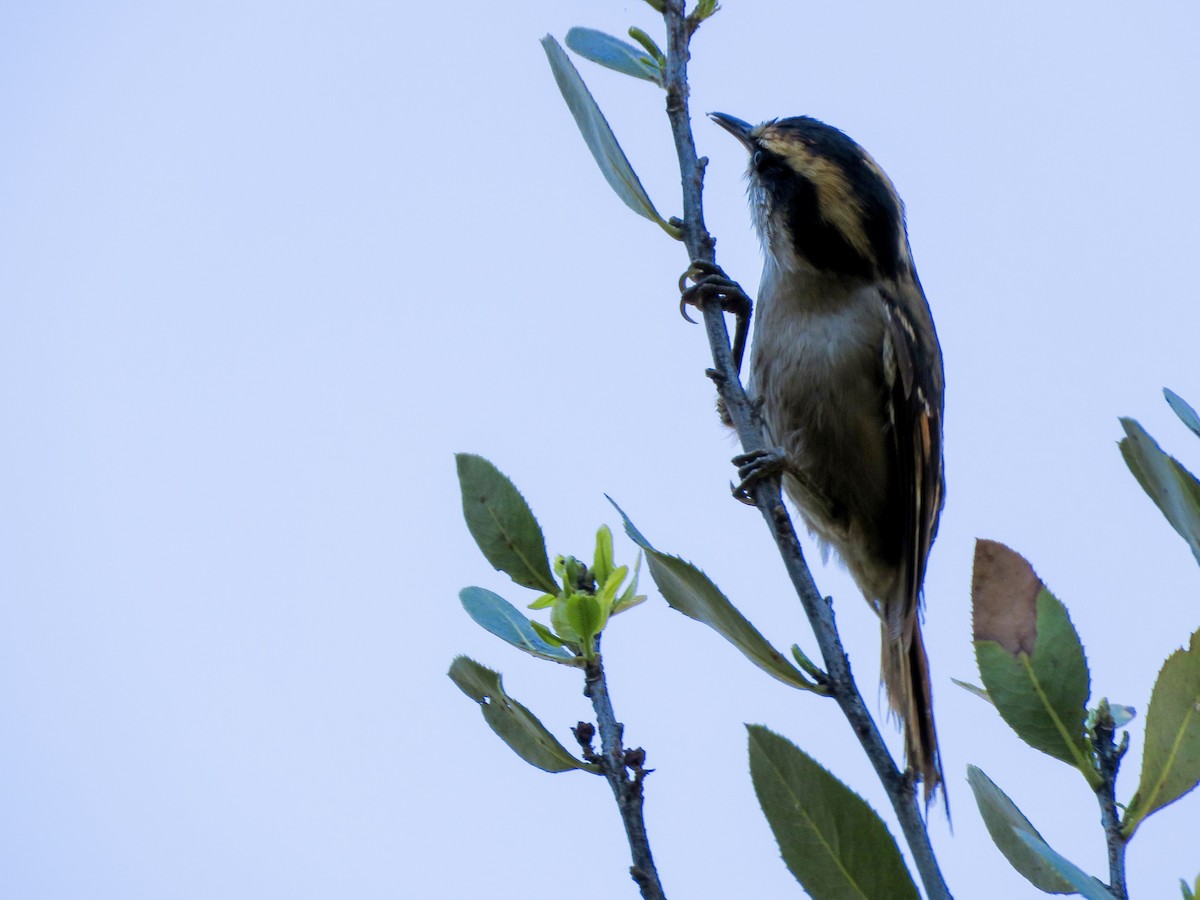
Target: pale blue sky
{"points": [[265, 266]]}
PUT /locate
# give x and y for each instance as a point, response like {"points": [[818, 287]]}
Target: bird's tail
{"points": [[905, 670]]}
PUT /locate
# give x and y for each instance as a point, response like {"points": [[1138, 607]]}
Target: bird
{"points": [[846, 368]]}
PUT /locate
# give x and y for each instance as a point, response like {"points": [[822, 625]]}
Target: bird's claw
{"points": [[709, 284], [753, 468]]}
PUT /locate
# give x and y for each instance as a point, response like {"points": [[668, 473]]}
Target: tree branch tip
{"points": [[680, 26]]}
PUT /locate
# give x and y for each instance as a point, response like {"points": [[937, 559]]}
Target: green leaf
{"points": [[1189, 893], [1173, 488], [1171, 760], [546, 634], [1083, 883], [834, 844], [656, 5], [495, 614], [602, 559], [503, 525], [606, 593], [648, 45], [543, 601], [516, 725], [630, 597], [571, 571], [690, 591], [560, 621], [1030, 658], [598, 136], [586, 617], [807, 666], [973, 689], [1042, 695], [1185, 412], [1004, 823], [614, 53]]}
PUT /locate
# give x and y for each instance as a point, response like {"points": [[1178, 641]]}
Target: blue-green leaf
{"points": [[495, 614], [1083, 883], [599, 137], [1005, 823], [1183, 410], [614, 53], [1172, 487]]}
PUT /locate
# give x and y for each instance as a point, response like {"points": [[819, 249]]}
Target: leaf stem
{"points": [[700, 245]]}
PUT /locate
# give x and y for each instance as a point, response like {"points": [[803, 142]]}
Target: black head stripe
{"points": [[821, 242]]}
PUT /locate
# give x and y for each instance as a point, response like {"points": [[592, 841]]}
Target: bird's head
{"points": [[819, 198]]}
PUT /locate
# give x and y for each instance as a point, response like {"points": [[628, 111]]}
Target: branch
{"points": [[614, 761], [1108, 755], [767, 494]]}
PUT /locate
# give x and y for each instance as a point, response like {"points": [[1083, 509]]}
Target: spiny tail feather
{"points": [[905, 670]]}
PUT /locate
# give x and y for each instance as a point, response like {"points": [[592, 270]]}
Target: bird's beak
{"points": [[735, 126]]}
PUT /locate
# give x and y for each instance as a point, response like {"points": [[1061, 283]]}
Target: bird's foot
{"points": [[711, 284], [753, 468]]}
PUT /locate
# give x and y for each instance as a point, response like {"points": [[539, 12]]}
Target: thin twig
{"points": [[768, 498], [615, 764], [1108, 755]]}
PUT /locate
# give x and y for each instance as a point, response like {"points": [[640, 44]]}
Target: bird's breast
{"points": [[817, 369]]}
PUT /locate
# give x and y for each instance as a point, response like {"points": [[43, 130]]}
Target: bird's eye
{"points": [[757, 158]]}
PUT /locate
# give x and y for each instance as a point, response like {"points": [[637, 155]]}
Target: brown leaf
{"points": [[1004, 591]]}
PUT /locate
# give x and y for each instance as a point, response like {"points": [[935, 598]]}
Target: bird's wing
{"points": [[913, 375]]}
